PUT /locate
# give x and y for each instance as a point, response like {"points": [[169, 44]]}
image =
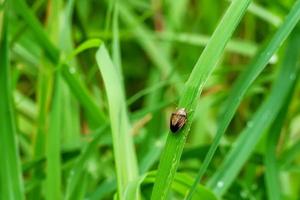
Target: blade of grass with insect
{"points": [[69, 74], [262, 119], [246, 79], [205, 65], [11, 182], [124, 152]]}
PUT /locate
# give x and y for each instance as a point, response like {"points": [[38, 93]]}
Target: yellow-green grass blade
{"points": [[262, 120], [124, 153], [202, 70], [11, 181]]}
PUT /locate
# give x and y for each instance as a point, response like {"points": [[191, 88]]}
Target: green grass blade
{"points": [[289, 155], [53, 145], [265, 14], [182, 182], [11, 182], [234, 45], [145, 38], [22, 9], [116, 49], [205, 65], [272, 165], [262, 119], [245, 80], [77, 171], [125, 158]]}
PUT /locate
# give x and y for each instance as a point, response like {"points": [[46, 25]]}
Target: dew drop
{"points": [[292, 76], [273, 59], [249, 124], [243, 194], [72, 70], [220, 184], [158, 143]]}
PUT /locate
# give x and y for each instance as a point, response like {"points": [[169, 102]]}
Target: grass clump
{"points": [[87, 90]]}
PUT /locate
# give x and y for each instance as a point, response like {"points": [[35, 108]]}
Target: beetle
{"points": [[178, 120]]}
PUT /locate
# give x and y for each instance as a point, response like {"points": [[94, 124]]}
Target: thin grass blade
{"points": [[11, 181]]}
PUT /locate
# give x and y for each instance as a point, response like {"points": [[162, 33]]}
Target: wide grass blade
{"points": [[262, 119], [11, 182], [205, 65], [125, 158]]}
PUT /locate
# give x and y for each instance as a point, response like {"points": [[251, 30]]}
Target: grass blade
{"points": [[205, 65], [124, 152], [53, 145], [271, 162], [262, 119], [181, 184], [78, 170], [11, 182], [234, 45]]}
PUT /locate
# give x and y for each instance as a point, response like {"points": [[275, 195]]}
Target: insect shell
{"points": [[177, 120]]}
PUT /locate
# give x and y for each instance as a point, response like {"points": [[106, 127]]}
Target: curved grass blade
{"points": [[205, 65], [125, 158]]}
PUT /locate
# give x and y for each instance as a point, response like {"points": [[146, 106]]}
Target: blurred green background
{"points": [[87, 89]]}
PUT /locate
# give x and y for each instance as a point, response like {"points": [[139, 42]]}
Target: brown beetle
{"points": [[178, 119]]}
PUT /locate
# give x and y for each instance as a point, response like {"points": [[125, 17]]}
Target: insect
{"points": [[178, 119]]}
